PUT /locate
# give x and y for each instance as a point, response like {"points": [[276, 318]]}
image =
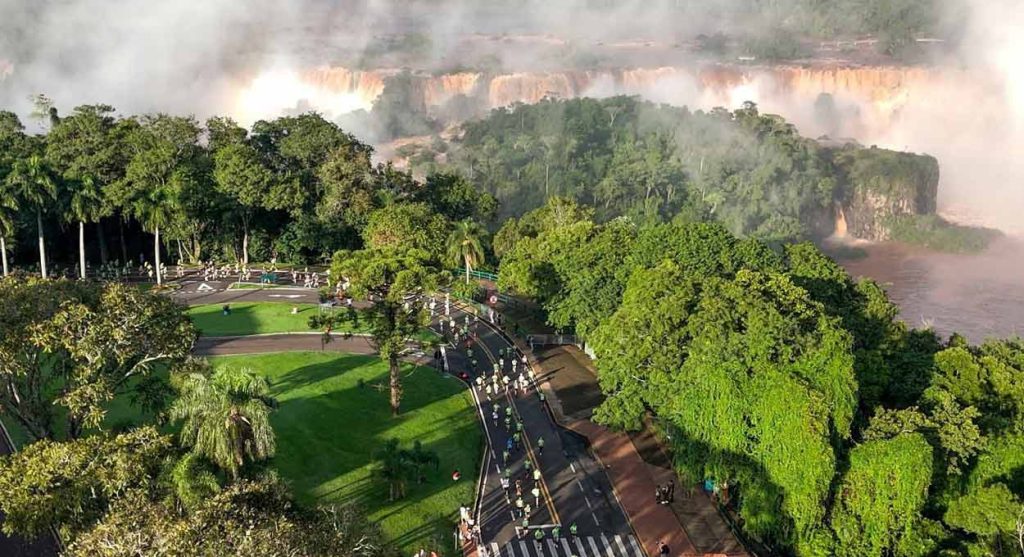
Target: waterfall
{"points": [[840, 229]]}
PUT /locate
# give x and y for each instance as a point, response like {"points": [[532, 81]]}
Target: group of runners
{"points": [[509, 376]]}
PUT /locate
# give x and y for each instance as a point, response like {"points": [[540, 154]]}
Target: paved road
{"points": [[195, 291], [575, 488]]}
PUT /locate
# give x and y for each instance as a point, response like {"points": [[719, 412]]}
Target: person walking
{"points": [[663, 549], [671, 494], [504, 484], [538, 536], [494, 416], [516, 438], [508, 424], [519, 506], [509, 442], [536, 475], [540, 445], [536, 494], [519, 488], [524, 527], [504, 456], [528, 509], [657, 494], [556, 532], [572, 529]]}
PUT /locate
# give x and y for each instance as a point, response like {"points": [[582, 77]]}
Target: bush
{"points": [[934, 232]]}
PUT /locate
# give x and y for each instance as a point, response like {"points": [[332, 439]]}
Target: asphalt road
{"points": [[574, 488]]}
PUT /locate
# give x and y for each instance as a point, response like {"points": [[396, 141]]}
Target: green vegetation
{"points": [[934, 232], [836, 429], [752, 172], [251, 318], [329, 461]]}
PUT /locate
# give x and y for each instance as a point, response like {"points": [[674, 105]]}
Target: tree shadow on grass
{"points": [[211, 321]]}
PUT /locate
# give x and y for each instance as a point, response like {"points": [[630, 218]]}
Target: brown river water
{"points": [[980, 296]]}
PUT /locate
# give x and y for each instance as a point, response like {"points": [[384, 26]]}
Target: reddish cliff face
{"points": [[872, 94]]}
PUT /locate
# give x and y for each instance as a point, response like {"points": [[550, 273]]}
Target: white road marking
{"points": [[636, 548], [284, 295], [622, 547], [607, 546], [579, 546], [597, 553], [594, 516]]}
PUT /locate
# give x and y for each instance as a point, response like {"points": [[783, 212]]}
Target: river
{"points": [[980, 296]]}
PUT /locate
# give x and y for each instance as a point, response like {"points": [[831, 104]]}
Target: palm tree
{"points": [[33, 181], [465, 245], [394, 468], [226, 417], [398, 466], [155, 208], [8, 212], [86, 206]]}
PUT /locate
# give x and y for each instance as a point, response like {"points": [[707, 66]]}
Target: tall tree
{"points": [[241, 176], [166, 158], [12, 144], [69, 484], [68, 349], [225, 416], [396, 281], [33, 180], [465, 245], [88, 150], [8, 214]]}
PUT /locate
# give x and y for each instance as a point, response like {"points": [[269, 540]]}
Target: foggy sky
{"points": [[192, 56]]}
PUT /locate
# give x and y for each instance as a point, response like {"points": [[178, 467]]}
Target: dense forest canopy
{"points": [[626, 157], [828, 425]]}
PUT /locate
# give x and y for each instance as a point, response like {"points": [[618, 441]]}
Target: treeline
{"points": [[297, 188], [829, 426], [178, 465], [753, 172]]}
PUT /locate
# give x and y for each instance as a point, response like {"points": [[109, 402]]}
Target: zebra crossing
{"points": [[612, 545]]}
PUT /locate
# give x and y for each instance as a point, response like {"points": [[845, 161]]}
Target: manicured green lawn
{"points": [[251, 318], [333, 414]]}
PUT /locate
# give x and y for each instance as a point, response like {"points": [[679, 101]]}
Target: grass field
{"points": [[332, 417], [251, 318]]}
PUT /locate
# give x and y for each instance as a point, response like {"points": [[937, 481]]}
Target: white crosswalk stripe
{"points": [[597, 546]]}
